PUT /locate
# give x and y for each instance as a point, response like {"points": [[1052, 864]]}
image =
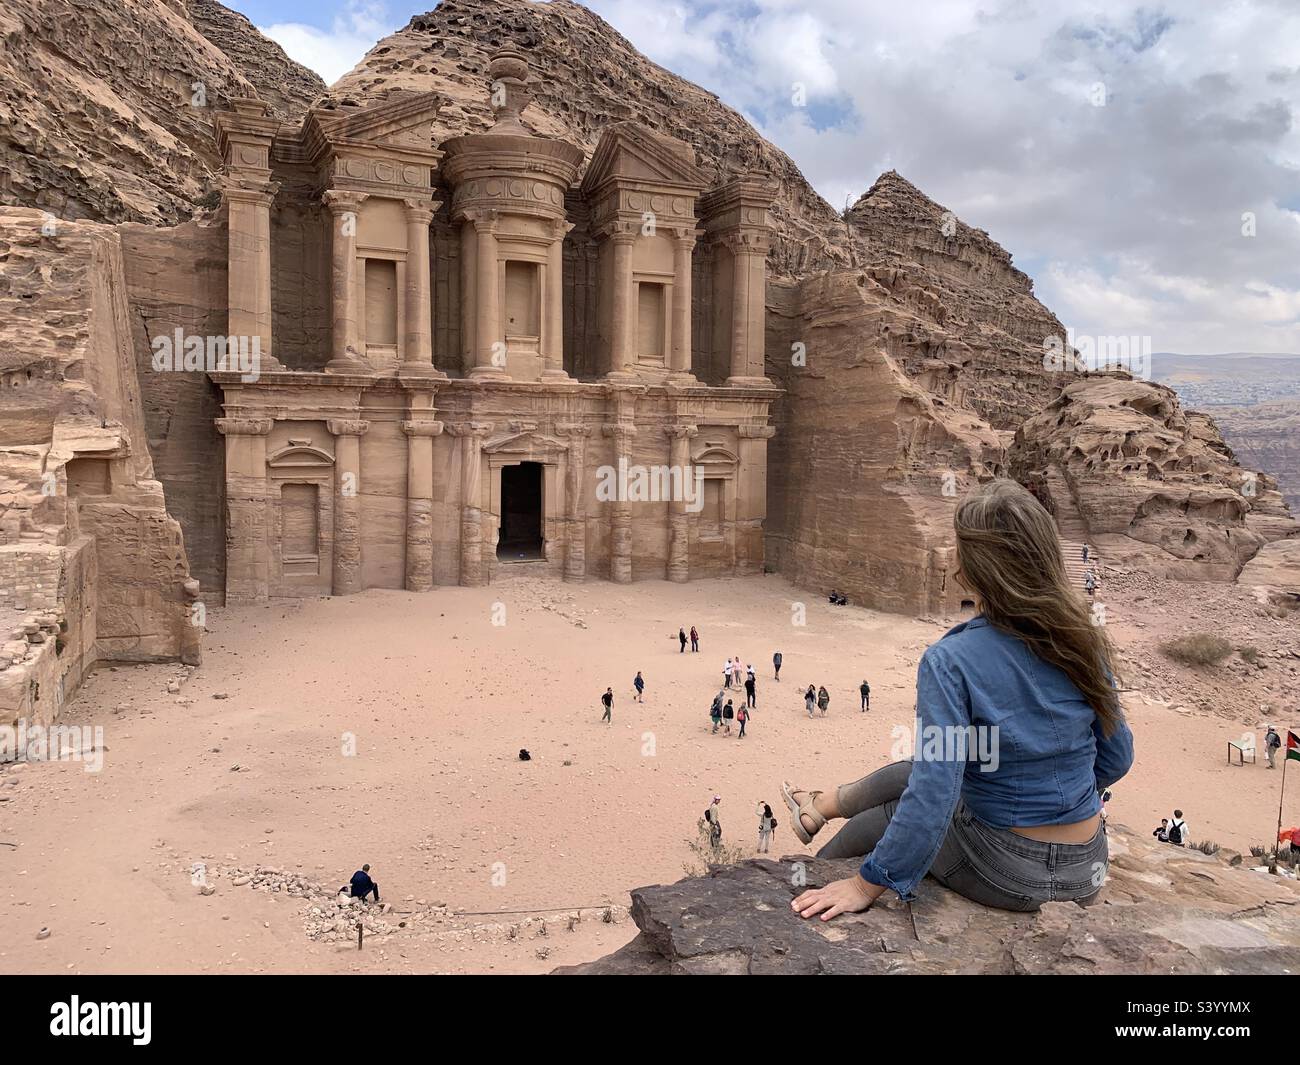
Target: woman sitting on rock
{"points": [[1019, 728]]}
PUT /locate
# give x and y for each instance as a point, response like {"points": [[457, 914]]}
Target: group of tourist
{"points": [[1172, 831], [816, 699], [694, 638], [722, 714], [712, 819]]}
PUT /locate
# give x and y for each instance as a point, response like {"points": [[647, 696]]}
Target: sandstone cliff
{"points": [[1126, 467], [105, 107], [1163, 910], [91, 564], [1267, 437]]}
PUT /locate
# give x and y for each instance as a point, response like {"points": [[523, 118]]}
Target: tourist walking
{"points": [[823, 700], [1085, 552], [695, 640], [766, 826], [864, 689], [1026, 829], [681, 635], [639, 685], [750, 686], [742, 716], [1089, 583], [715, 711], [713, 817], [810, 699], [776, 665], [1272, 741], [608, 700], [728, 714]]}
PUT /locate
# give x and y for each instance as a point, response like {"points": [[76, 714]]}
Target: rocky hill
{"points": [[105, 107], [1163, 910]]}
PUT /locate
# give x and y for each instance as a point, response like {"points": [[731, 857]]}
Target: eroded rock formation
{"points": [[1164, 910], [106, 108], [1123, 465], [91, 564]]}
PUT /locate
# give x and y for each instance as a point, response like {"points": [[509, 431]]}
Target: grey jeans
{"points": [[992, 866]]}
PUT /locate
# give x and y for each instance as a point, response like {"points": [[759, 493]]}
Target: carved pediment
{"points": [[629, 153], [523, 441], [403, 122], [299, 456]]}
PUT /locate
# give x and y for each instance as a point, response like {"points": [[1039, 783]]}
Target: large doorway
{"points": [[521, 513]]}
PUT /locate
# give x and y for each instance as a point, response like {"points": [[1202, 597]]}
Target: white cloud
{"points": [[332, 53]]}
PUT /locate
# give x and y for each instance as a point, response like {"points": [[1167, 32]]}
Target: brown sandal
{"points": [[799, 812]]}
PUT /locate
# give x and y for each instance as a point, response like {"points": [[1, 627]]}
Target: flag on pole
{"points": [[1292, 745]]}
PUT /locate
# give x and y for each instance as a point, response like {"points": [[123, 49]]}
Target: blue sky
{"points": [[1141, 160]]}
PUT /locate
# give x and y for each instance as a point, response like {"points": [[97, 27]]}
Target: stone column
{"points": [[751, 497], [471, 436], [347, 503], [348, 347], [748, 310], [419, 503], [679, 564], [621, 357], [680, 364], [553, 353], [488, 334], [468, 280], [248, 549], [575, 500], [739, 309], [248, 290], [417, 357], [620, 521]]}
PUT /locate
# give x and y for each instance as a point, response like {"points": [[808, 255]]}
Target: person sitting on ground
{"points": [[810, 699], [823, 700], [1162, 831], [1031, 672], [362, 885], [1178, 830]]}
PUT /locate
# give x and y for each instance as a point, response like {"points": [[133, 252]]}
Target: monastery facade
{"points": [[469, 361]]}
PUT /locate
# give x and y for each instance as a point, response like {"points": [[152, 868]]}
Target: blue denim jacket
{"points": [[1044, 764]]}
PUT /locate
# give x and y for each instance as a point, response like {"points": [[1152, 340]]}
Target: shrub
{"points": [[1205, 847], [1249, 654], [704, 855], [1198, 649]]}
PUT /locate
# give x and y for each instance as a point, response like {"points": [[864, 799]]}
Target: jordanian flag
{"points": [[1292, 745]]}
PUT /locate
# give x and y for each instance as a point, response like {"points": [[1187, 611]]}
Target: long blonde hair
{"points": [[1010, 556]]}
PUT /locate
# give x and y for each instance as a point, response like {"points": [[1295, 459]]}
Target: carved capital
{"points": [[244, 426], [242, 189], [421, 211], [684, 239], [621, 433], [680, 432], [422, 428], [756, 432], [574, 429], [347, 426], [340, 201], [484, 219]]}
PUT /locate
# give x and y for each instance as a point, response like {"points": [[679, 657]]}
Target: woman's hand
{"points": [[851, 895]]}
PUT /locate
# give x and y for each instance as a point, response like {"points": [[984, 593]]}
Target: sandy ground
{"points": [[437, 700]]}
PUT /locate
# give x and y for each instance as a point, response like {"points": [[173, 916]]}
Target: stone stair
{"points": [[1075, 567]]}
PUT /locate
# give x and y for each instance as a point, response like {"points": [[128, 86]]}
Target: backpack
{"points": [[1274, 740], [1176, 831], [727, 712]]}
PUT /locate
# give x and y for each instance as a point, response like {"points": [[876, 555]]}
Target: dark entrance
{"points": [[521, 513]]}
